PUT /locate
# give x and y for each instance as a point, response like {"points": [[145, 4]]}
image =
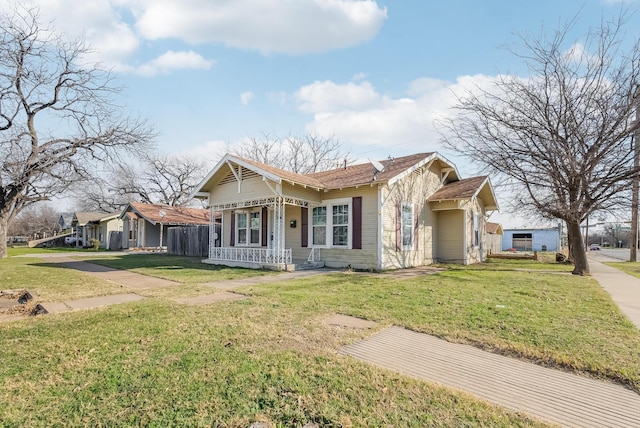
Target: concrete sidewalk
{"points": [[123, 277], [552, 395], [623, 288]]}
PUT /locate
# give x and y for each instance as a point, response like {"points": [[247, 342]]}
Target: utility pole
{"points": [[635, 184]]}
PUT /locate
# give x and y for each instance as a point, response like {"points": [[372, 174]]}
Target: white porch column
{"points": [[212, 231], [278, 230]]}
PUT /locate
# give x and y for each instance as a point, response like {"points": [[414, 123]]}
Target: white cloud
{"points": [[269, 26], [170, 61], [97, 21], [327, 95], [246, 97], [359, 114]]}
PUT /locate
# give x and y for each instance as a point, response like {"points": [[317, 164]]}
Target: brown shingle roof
{"points": [[462, 189], [492, 227], [354, 175], [174, 215], [84, 217]]}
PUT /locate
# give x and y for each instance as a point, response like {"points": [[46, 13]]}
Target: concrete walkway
{"points": [[90, 303], [552, 395], [123, 277], [623, 288]]}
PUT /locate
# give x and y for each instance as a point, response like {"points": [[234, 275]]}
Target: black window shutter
{"points": [[356, 238], [265, 239], [304, 227]]}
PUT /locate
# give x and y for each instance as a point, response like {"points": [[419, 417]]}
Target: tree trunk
{"points": [[3, 237], [578, 252]]}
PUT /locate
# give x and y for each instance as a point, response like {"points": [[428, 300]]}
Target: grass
{"points": [[186, 270], [271, 358], [21, 251], [632, 268], [51, 283]]}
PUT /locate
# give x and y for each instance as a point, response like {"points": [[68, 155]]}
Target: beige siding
{"points": [[451, 239], [415, 189], [250, 189], [301, 192], [367, 257], [475, 254], [293, 236]]}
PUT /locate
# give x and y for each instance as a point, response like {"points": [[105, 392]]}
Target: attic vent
{"points": [[246, 174]]}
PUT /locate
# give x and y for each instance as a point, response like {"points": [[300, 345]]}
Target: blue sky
{"points": [[374, 74]]}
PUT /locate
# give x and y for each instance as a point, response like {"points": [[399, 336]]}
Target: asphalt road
{"points": [[620, 254]]}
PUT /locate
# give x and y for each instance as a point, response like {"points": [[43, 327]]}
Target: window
{"points": [[340, 223], [319, 226], [248, 227], [476, 229], [331, 224], [407, 226]]}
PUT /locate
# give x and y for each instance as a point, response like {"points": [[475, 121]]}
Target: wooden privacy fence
{"points": [[192, 241], [115, 240]]}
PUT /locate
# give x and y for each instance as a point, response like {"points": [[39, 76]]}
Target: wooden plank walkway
{"points": [[552, 395]]}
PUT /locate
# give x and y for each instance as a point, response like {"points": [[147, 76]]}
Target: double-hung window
{"points": [[331, 224], [319, 226], [248, 227], [476, 229], [407, 225]]}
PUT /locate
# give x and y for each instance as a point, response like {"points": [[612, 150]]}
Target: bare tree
{"points": [[562, 136], [56, 116], [36, 221], [154, 178], [303, 155]]}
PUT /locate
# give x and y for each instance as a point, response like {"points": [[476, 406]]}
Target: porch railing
{"points": [[250, 255], [314, 255]]}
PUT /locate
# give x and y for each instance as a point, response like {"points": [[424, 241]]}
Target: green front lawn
{"points": [[187, 270], [271, 357], [21, 251]]}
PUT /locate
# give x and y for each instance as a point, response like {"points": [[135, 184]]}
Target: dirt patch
{"points": [[19, 302]]}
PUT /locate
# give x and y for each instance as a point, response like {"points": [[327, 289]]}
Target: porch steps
{"points": [[304, 265]]}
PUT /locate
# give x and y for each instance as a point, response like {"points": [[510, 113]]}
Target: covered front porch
{"points": [[263, 233]]}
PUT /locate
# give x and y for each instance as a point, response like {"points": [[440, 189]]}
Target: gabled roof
{"points": [[349, 176], [82, 218], [354, 175], [171, 215], [494, 228], [468, 188]]}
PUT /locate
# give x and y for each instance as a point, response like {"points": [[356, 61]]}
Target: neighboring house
{"points": [[493, 238], [144, 223], [65, 221], [531, 239], [403, 212], [92, 225]]}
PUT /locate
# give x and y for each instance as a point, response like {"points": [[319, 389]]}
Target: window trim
{"points": [[329, 204], [248, 228], [411, 224], [476, 229]]}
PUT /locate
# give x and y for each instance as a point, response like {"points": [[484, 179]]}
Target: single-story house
{"points": [[493, 238], [531, 239], [93, 225], [65, 220], [145, 225], [403, 212]]}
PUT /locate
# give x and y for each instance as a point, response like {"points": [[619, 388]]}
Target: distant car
{"points": [[71, 240], [594, 247]]}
